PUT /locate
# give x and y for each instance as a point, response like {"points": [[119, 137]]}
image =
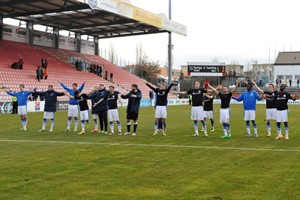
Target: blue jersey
{"points": [[21, 96], [249, 99], [72, 101]]}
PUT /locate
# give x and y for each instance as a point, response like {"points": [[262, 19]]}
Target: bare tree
{"points": [[144, 67], [112, 55]]}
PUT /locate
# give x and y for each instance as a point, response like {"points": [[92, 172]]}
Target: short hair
{"points": [[50, 86], [22, 85], [134, 85], [112, 87], [75, 84], [272, 85], [101, 84]]}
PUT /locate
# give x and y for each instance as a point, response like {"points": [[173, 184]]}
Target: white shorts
{"points": [[281, 115], [271, 113], [249, 115], [113, 115], [84, 115], [197, 113], [22, 110], [225, 115], [161, 112], [95, 116], [209, 114], [48, 115], [73, 110]]}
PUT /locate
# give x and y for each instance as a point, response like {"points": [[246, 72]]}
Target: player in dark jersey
{"points": [[94, 110], [84, 110], [197, 112], [270, 104], [282, 98], [134, 99], [161, 105], [208, 108], [113, 113], [225, 97], [102, 107]]}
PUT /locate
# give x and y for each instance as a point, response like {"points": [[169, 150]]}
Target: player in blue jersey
{"points": [[50, 106], [73, 105], [249, 98], [22, 97]]}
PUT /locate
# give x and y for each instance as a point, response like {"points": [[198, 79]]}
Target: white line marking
{"points": [[153, 145]]}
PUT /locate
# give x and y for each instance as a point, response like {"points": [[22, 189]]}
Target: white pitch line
{"points": [[153, 145]]}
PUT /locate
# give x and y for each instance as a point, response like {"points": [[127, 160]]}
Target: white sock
{"points": [[286, 132], [248, 130], [83, 126], [225, 131], [255, 131]]}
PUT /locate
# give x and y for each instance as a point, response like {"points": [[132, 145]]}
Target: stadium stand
{"points": [[57, 69]]}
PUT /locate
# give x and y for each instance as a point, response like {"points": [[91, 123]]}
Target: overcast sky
{"points": [[229, 30]]}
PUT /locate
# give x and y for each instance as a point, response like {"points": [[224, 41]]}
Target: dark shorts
{"points": [[132, 116]]}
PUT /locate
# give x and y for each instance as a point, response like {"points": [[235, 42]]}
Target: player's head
{"points": [[225, 89], [282, 87], [162, 86], [50, 87], [197, 84], [74, 86], [22, 86], [111, 88], [134, 87], [271, 87], [249, 85], [101, 86]]}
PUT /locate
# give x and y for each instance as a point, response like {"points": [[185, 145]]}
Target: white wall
{"points": [[284, 70]]}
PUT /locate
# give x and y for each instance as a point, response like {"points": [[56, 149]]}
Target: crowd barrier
{"points": [[38, 106]]}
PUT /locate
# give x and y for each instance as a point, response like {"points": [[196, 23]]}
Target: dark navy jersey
{"points": [[197, 96], [133, 102], [112, 100], [50, 99], [208, 103], [270, 102], [161, 95], [225, 99], [282, 99], [100, 94]]}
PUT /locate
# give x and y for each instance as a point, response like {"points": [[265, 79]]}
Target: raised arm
{"points": [[236, 86], [11, 93], [81, 87], [151, 87], [64, 86], [169, 88], [257, 88], [213, 89], [208, 96]]}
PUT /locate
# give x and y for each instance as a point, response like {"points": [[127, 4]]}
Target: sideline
{"points": [[152, 145]]}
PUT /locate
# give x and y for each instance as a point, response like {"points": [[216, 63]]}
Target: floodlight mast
{"points": [[170, 48]]}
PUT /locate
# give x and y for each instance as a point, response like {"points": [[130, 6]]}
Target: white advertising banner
{"points": [[14, 33], [87, 47], [67, 43], [43, 39]]}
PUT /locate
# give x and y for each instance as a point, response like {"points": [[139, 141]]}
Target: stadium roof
{"points": [[288, 58], [102, 18]]}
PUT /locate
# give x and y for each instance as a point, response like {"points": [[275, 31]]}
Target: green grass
{"points": [[146, 166]]}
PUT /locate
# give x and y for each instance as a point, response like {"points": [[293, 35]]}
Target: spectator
{"points": [[46, 63], [277, 82], [20, 62], [290, 82], [100, 71], [15, 65], [280, 81], [260, 82], [111, 77], [106, 75], [14, 104], [43, 63], [77, 65], [39, 73], [298, 81], [46, 73]]}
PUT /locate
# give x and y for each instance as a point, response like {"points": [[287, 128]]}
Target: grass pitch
{"points": [[63, 165]]}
